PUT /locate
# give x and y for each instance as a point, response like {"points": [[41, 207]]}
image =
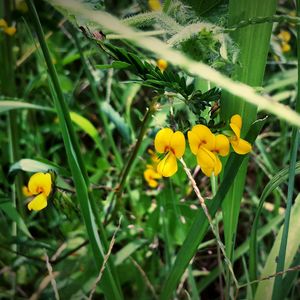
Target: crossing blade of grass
{"points": [[110, 284], [277, 288], [200, 224], [276, 181], [250, 70], [265, 288], [161, 49]]}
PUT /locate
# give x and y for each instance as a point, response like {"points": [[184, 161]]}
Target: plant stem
{"points": [[125, 172], [277, 287], [207, 214], [144, 126]]}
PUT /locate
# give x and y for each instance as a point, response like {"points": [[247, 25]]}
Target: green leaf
{"points": [[128, 250], [7, 105], [115, 65], [88, 128], [265, 288], [253, 42], [275, 182], [11, 212], [119, 121], [33, 166]]}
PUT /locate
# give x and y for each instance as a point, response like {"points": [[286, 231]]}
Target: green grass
{"points": [[81, 98]]}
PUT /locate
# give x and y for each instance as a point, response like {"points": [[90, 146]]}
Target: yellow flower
{"points": [[173, 145], [285, 47], [162, 64], [3, 23], [284, 36], [10, 30], [206, 146], [39, 185], [151, 176], [239, 145], [154, 5]]}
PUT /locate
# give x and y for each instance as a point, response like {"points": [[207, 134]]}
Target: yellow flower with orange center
{"points": [[172, 144], [206, 146], [239, 145], [40, 186]]}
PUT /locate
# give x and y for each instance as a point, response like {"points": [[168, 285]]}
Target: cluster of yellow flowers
{"points": [[9, 30], [284, 37], [206, 146], [39, 187]]}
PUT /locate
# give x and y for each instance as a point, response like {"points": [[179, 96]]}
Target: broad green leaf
{"points": [[12, 213], [265, 287], [250, 70]]}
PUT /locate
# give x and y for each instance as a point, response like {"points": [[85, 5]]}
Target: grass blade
{"points": [[277, 288], [265, 288], [109, 282], [251, 69]]}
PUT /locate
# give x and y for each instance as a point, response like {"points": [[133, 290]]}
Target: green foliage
{"points": [[92, 123]]}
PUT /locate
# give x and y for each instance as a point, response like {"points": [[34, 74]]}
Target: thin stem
{"points": [[125, 172], [206, 212], [261, 20], [144, 126], [277, 287]]}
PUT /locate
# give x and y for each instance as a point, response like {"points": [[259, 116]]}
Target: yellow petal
{"points": [[207, 171], [205, 158], [241, 146], [177, 144], [38, 203], [221, 145], [215, 169], [205, 136], [40, 183], [26, 191], [284, 36], [168, 166], [218, 166], [3, 23], [162, 140], [193, 142], [154, 5], [153, 183], [162, 64], [10, 30], [150, 174], [236, 130], [237, 120]]}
